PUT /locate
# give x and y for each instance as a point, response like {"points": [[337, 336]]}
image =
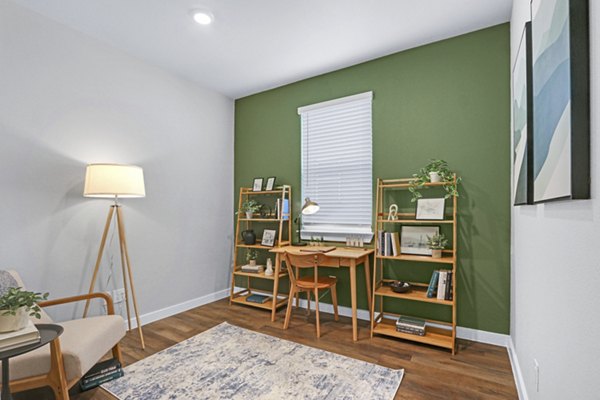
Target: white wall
{"points": [[67, 100], [555, 314]]}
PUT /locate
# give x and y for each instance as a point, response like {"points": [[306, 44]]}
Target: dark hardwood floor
{"points": [[477, 371]]}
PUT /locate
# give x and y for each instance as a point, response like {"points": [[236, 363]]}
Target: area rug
{"points": [[229, 362]]}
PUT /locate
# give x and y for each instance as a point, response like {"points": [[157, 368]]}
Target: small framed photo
{"points": [[430, 208], [270, 183], [257, 184], [268, 238], [414, 239]]}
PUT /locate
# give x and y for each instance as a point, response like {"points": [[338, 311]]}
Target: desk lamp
{"points": [[116, 181], [309, 208]]}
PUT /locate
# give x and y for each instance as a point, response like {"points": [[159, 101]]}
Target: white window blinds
{"points": [[337, 167]]}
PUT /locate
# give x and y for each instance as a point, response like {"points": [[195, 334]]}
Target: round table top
{"points": [[48, 332]]}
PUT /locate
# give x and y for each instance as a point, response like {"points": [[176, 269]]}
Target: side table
{"points": [[48, 333]]}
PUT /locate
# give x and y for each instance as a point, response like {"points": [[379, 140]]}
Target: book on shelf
{"points": [[448, 294], [411, 331], [395, 244], [415, 326], [433, 284], [22, 337], [252, 268], [441, 292], [258, 298], [283, 211]]}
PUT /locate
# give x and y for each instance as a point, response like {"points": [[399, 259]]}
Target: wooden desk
{"points": [[338, 257]]}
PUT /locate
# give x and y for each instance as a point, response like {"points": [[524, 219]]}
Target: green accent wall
{"points": [[448, 100]]}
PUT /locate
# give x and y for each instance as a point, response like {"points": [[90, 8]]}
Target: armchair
{"points": [[83, 343]]}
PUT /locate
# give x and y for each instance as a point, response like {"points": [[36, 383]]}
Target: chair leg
{"points": [[307, 302], [288, 311], [335, 303], [116, 352], [57, 378], [317, 312]]}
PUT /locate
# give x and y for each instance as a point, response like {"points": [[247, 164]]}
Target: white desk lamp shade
{"points": [[114, 180]]}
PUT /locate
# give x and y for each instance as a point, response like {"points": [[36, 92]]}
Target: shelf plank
{"points": [[417, 221], [407, 257], [260, 246], [406, 185], [417, 293], [260, 275], [433, 336], [268, 305], [275, 191], [264, 219]]}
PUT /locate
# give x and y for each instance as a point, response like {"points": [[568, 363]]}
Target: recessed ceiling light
{"points": [[203, 17]]}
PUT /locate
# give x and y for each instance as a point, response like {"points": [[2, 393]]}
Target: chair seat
{"points": [[83, 343], [308, 282]]}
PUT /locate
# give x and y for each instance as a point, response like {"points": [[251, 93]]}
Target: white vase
{"points": [[434, 177], [436, 253], [248, 214], [9, 323], [269, 270]]}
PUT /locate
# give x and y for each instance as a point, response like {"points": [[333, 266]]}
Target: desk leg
{"points": [[353, 298], [5, 386], [276, 285], [368, 280]]}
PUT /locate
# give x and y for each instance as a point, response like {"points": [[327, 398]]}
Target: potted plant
{"points": [[251, 256], [437, 243], [16, 306], [435, 171], [250, 207]]}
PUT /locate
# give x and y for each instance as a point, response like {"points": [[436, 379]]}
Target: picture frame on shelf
{"points": [[430, 209], [413, 239], [268, 238], [270, 183], [257, 184]]}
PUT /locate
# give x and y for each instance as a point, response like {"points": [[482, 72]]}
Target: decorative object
{"points": [[430, 209], [249, 237], [268, 238], [414, 239], [266, 211], [422, 178], [437, 243], [522, 104], [250, 207], [434, 177], [561, 99], [228, 362], [270, 183], [16, 306], [400, 287], [308, 208], [257, 184], [116, 181], [393, 212], [269, 270], [251, 256]]}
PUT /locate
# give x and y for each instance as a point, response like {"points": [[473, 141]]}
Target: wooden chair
{"points": [[65, 360], [309, 284]]}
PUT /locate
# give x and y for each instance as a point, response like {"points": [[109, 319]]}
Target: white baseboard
{"points": [[516, 368], [477, 335]]}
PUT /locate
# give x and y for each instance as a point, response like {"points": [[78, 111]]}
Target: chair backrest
{"points": [[309, 260]]}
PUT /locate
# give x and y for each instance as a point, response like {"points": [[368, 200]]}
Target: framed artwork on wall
{"points": [[522, 103], [561, 107], [413, 239], [257, 184], [430, 209]]}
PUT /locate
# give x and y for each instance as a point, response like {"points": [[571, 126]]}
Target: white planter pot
{"points": [[252, 262], [434, 177], [436, 253], [9, 323], [248, 214]]}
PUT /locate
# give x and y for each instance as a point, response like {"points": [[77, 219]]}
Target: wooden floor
{"points": [[477, 371]]}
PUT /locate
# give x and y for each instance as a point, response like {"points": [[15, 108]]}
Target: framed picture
{"points": [[522, 103], [270, 183], [268, 238], [257, 184], [413, 239], [561, 99], [430, 208]]}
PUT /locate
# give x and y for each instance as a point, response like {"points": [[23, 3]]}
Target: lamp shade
{"points": [[309, 207], [114, 180]]}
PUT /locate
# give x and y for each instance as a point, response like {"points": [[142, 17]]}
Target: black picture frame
{"points": [[561, 102], [269, 237], [270, 185], [257, 185]]}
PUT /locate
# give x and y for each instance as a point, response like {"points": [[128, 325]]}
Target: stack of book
{"points": [[389, 243], [258, 298], [413, 326], [440, 285], [101, 373], [252, 268], [22, 337]]}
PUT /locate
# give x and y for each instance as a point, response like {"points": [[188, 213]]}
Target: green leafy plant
{"points": [[250, 206], [422, 177], [251, 254], [16, 298], [437, 242]]}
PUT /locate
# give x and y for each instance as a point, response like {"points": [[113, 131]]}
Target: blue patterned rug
{"points": [[229, 362]]}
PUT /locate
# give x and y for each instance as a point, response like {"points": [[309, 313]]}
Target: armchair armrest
{"points": [[110, 308]]}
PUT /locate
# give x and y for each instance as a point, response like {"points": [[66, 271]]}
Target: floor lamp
{"points": [[115, 181]]}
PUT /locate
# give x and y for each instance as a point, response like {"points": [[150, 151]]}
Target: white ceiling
{"points": [[254, 45]]}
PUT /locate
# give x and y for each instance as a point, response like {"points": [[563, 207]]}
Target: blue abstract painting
{"points": [[552, 99]]}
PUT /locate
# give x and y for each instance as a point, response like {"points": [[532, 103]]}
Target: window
{"points": [[337, 167]]}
